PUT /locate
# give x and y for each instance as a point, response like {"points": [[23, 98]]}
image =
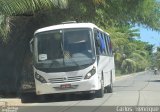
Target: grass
{"points": [[118, 73]]}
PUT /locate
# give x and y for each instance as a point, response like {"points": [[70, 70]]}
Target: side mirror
{"points": [[31, 45]]}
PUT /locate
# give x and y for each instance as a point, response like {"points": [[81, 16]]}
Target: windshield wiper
{"points": [[63, 52], [62, 46]]}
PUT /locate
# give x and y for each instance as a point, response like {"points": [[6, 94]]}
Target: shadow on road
{"points": [[153, 81], [55, 98], [121, 86]]}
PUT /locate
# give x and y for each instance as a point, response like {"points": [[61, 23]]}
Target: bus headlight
{"points": [[40, 78], [90, 73]]}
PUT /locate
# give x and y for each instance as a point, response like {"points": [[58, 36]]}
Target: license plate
{"points": [[65, 86]]}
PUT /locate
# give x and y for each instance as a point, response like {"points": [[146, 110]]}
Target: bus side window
{"points": [[109, 52], [102, 44], [97, 42], [110, 46], [107, 45]]}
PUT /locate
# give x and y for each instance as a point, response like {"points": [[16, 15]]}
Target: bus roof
{"points": [[68, 25]]}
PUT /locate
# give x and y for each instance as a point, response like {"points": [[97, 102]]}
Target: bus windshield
{"points": [[64, 48]]}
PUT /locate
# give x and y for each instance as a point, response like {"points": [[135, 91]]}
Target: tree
{"points": [[20, 18], [137, 56], [104, 13]]}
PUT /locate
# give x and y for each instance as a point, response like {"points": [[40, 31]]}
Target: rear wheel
{"points": [[105, 90], [109, 88]]}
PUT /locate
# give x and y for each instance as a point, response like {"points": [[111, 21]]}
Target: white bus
{"points": [[72, 57]]}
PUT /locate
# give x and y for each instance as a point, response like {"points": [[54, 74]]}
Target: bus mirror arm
{"points": [[98, 56]]}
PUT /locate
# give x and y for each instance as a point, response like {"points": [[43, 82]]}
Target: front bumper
{"points": [[79, 86]]}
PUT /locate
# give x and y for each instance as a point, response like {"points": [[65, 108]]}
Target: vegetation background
{"points": [[20, 18]]}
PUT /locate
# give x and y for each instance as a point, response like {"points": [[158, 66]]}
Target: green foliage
{"points": [[130, 55], [118, 60], [105, 13], [20, 18], [115, 16], [16, 7], [118, 12], [158, 49], [156, 59], [128, 66]]}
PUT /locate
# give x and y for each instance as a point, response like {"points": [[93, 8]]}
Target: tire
{"points": [[109, 88], [100, 93], [105, 90]]}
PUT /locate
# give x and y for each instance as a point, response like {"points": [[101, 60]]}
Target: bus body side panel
{"points": [[106, 68], [56, 80], [113, 70]]}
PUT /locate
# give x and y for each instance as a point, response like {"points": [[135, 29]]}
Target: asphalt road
{"points": [[141, 89]]}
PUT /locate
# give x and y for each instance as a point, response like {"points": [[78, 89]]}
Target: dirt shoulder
{"points": [[10, 102]]}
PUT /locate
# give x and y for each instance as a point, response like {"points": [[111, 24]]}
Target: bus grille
{"points": [[65, 79]]}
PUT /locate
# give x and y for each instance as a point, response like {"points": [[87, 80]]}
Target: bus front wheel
{"points": [[100, 93]]}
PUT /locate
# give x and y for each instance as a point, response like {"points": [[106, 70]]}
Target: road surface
{"points": [[141, 89]]}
